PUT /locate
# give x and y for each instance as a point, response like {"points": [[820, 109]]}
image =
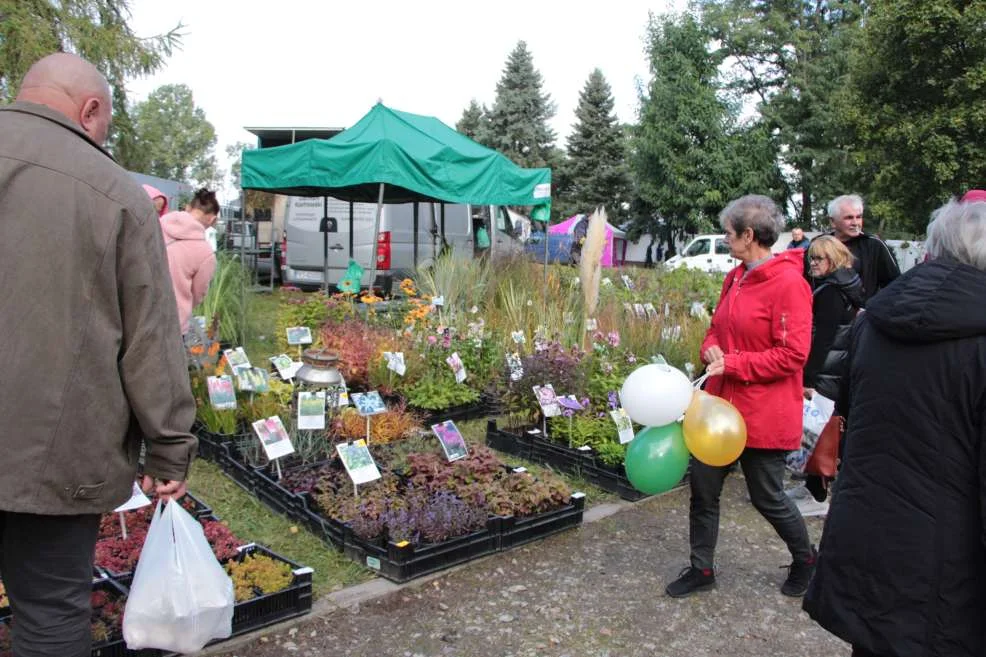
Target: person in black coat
{"points": [[872, 258], [902, 564], [837, 297]]}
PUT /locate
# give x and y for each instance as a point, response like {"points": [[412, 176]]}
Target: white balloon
{"points": [[655, 395]]}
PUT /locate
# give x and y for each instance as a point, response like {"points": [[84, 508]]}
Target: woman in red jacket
{"points": [[755, 350]]}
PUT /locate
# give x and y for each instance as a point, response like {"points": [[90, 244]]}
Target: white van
{"points": [[710, 253], [399, 249]]}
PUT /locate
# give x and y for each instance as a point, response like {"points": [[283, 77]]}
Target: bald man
{"points": [[93, 361]]}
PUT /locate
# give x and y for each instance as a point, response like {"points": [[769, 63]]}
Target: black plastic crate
{"points": [[210, 444], [116, 647], [518, 531], [329, 530], [515, 444], [401, 563], [291, 602]]}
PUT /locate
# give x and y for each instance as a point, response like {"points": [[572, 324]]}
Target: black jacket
{"points": [[835, 301], [902, 563], [873, 261]]}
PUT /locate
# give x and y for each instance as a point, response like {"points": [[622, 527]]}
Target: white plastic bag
{"points": [[816, 413], [181, 598]]}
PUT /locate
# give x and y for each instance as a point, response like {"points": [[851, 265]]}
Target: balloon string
{"points": [[697, 383]]}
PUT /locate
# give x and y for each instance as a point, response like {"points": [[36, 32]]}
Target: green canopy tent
{"points": [[391, 156]]}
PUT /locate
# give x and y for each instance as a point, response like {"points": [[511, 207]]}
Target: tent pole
{"points": [[351, 206], [376, 239], [544, 291], [325, 245], [415, 236]]}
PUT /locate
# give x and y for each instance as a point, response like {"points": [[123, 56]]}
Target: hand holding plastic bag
{"points": [[181, 598], [817, 412]]}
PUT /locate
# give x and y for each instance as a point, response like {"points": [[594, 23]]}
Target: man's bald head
{"points": [[72, 86]]}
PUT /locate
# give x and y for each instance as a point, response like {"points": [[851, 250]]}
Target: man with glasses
{"points": [[872, 258]]}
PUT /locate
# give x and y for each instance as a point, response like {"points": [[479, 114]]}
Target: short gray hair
{"points": [[836, 204], [958, 230], [756, 212]]}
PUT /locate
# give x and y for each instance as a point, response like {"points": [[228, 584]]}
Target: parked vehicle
{"points": [[710, 253], [398, 248]]}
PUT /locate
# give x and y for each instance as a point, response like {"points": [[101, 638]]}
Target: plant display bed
{"points": [[406, 547], [534, 447]]}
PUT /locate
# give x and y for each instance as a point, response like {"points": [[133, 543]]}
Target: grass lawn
{"points": [[261, 342], [253, 522]]}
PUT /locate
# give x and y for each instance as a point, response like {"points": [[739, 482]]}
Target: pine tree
{"points": [[596, 171], [519, 118], [474, 122]]}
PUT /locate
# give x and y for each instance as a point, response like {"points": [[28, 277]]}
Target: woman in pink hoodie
{"points": [[159, 200], [190, 258]]}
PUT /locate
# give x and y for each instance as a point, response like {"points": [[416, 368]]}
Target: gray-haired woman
{"points": [[902, 564], [755, 350]]}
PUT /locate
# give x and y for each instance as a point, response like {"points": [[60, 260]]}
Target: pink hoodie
{"points": [[154, 193], [190, 259]]}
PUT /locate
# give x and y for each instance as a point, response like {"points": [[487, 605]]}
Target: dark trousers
{"points": [[46, 567], [764, 471]]}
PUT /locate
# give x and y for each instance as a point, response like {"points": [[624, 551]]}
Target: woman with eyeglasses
{"points": [[837, 297], [190, 257]]}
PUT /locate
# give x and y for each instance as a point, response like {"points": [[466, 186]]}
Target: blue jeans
{"points": [[764, 471]]}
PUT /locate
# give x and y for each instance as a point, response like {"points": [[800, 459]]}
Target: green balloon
{"points": [[657, 459]]}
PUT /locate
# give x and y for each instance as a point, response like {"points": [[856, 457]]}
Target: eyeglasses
{"points": [[817, 258]]}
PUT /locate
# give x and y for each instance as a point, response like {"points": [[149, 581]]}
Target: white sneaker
{"points": [[812, 507]]}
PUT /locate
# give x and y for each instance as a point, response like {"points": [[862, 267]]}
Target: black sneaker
{"points": [[799, 576], [691, 580]]}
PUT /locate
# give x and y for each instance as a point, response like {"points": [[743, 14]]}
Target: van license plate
{"points": [[308, 275]]}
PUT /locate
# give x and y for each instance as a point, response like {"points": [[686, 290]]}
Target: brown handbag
{"points": [[824, 460]]}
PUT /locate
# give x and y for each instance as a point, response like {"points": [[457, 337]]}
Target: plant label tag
{"points": [[534, 432], [373, 562], [438, 301], [638, 310], [273, 437], [518, 337], [516, 366], [286, 368], [584, 448], [591, 324], [627, 281], [548, 400], [453, 444], [137, 500], [623, 425], [368, 403], [650, 310], [358, 461], [311, 410], [395, 362], [221, 394], [236, 358], [299, 335], [457, 367], [519, 470]]}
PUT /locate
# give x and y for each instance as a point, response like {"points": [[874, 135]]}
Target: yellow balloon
{"points": [[715, 432]]}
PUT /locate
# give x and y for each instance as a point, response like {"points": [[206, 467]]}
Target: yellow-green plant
{"points": [[258, 575], [461, 282]]}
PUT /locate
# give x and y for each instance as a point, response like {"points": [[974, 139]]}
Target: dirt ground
{"points": [[593, 592]]}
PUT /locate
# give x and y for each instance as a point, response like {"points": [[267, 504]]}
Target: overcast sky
{"points": [[314, 63]]}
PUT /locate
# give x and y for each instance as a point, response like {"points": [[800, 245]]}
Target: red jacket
{"points": [[763, 326]]}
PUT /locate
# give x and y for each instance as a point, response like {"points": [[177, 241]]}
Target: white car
{"points": [[706, 252]]}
